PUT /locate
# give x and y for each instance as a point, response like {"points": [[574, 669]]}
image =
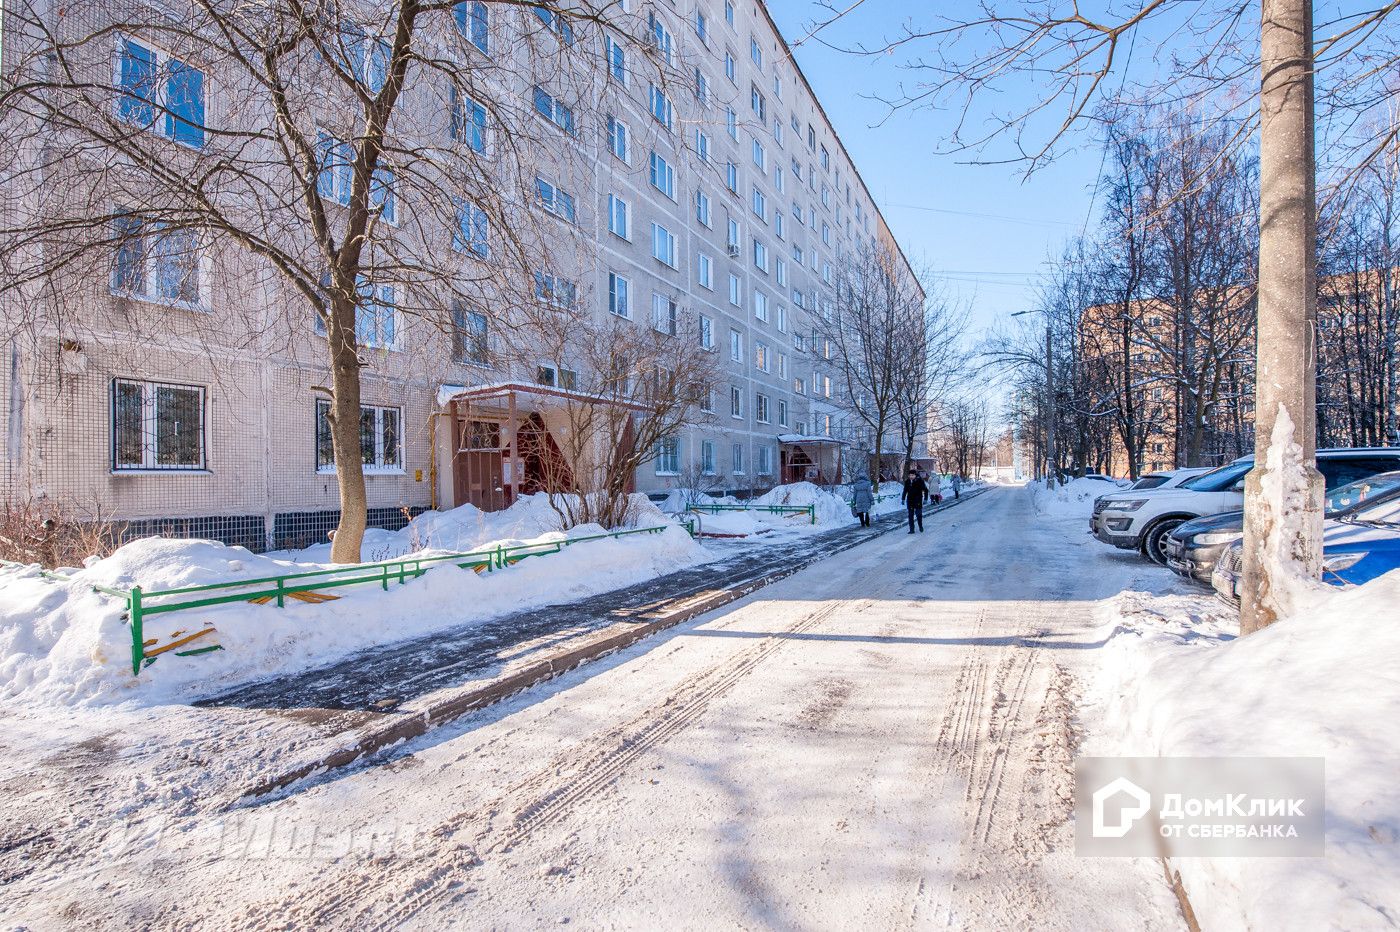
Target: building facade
{"points": [[187, 402]]}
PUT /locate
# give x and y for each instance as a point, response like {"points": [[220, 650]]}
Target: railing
{"points": [[809, 510], [141, 603]]}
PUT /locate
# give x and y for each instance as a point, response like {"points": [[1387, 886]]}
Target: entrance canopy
{"points": [[529, 397]]}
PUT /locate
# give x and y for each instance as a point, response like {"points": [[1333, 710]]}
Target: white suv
{"points": [[1142, 519]]}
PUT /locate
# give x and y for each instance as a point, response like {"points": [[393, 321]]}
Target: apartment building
{"points": [[187, 401]]}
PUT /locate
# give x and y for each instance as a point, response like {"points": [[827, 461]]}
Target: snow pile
{"points": [[1323, 683], [1074, 499], [62, 643], [831, 509]]}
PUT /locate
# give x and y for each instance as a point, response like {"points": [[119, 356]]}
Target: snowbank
{"points": [[63, 643], [1074, 499], [831, 509], [1323, 683]]}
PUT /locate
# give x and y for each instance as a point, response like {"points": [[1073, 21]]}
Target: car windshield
{"points": [[1149, 482], [1362, 490], [1218, 480]]}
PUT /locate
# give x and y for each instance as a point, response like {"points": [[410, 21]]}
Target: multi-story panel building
{"points": [[715, 207]]}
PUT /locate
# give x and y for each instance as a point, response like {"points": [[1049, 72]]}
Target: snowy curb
{"points": [[454, 704]]}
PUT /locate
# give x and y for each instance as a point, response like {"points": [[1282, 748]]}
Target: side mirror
{"points": [[1238, 486]]}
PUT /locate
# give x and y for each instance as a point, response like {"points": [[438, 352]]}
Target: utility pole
{"points": [[1283, 499]]}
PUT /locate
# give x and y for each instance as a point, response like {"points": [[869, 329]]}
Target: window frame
{"points": [[149, 427]]}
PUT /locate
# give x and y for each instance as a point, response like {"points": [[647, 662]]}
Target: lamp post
{"points": [[1049, 391]]}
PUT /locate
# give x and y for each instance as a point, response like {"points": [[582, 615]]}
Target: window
{"points": [[619, 214], [336, 176], [549, 375], [826, 233], [760, 205], [729, 67], [555, 23], [160, 93], [707, 403], [779, 270], [618, 288], [474, 24], [738, 464], [555, 200], [468, 121], [778, 138], [380, 432], [729, 12], [707, 332], [668, 457], [760, 156], [760, 256], [760, 305], [782, 366], [762, 358], [782, 319], [554, 110], [663, 176], [616, 57], [704, 271], [799, 386], [702, 87], [761, 409], [661, 37], [759, 103], [660, 106], [157, 425], [736, 291], [736, 402], [470, 337], [731, 123], [663, 245], [156, 263], [618, 139], [663, 314], [755, 53], [702, 26], [473, 230], [782, 413], [778, 224], [732, 237], [736, 345], [702, 145], [702, 207], [801, 428], [778, 88], [555, 290], [707, 457], [765, 460], [377, 318], [825, 159], [811, 138]]}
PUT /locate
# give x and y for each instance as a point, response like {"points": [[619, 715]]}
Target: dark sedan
{"points": [[1194, 547]]}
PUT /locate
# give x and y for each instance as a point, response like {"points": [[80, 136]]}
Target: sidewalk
{"points": [[377, 698]]}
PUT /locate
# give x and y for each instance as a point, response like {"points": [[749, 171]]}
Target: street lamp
{"points": [[1049, 390]]}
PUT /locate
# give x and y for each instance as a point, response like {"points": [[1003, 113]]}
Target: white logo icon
{"points": [[1130, 813]]}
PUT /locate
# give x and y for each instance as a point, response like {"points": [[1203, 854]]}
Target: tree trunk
{"points": [[1283, 498], [345, 434]]}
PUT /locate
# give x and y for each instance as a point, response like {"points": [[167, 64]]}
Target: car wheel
{"points": [[1154, 542]]}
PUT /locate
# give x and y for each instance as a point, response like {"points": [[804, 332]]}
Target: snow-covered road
{"points": [[881, 741]]}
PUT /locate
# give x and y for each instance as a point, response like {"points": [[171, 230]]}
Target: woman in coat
{"points": [[862, 500]]}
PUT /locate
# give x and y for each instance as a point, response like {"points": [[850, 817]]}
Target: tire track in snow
{"points": [[545, 797]]}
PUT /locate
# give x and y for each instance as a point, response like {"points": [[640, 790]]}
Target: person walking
{"points": [[957, 486], [862, 500], [914, 494], [935, 488]]}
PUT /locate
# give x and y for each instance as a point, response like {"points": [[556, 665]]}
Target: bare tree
{"points": [[1070, 57], [373, 168]]}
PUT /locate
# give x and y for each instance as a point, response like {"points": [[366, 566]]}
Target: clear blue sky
{"points": [[985, 226]]}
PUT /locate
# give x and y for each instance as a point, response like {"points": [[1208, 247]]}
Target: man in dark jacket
{"points": [[914, 494]]}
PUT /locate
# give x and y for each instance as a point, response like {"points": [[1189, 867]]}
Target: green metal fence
{"points": [[142, 603], [809, 510]]}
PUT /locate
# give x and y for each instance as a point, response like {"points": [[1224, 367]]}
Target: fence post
{"points": [[281, 596], [138, 640], [812, 511]]}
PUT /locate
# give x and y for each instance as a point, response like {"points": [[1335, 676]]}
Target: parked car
{"points": [[1142, 519], [1358, 545], [1167, 479], [1194, 547]]}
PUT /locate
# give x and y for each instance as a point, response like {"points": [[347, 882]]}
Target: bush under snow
{"points": [[61, 642]]}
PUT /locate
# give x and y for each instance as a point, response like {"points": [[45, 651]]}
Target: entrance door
{"points": [[477, 467]]}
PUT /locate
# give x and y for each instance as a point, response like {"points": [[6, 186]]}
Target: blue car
{"points": [[1359, 544]]}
